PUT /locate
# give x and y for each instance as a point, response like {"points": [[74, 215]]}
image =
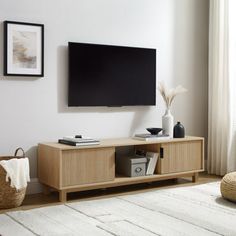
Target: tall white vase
{"points": [[168, 123]]}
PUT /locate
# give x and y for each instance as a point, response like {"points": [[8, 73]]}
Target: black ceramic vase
{"points": [[179, 131]]}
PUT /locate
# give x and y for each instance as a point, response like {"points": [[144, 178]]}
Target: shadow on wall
{"points": [[190, 58], [139, 118], [232, 152], [1, 49], [32, 154]]}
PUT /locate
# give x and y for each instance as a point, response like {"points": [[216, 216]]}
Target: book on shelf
{"points": [[151, 137], [151, 157], [152, 161], [73, 143], [80, 140]]}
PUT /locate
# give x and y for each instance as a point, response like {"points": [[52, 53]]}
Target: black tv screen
{"points": [[103, 75]]}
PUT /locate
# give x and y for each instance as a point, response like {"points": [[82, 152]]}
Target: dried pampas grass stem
{"points": [[168, 95]]}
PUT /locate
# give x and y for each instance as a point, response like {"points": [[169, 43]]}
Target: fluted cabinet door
{"points": [[88, 166], [180, 157]]}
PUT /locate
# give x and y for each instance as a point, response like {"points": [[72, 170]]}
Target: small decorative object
{"points": [[23, 49], [179, 131], [168, 96], [154, 131]]}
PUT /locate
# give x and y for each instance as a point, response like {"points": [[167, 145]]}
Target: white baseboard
{"points": [[34, 186]]}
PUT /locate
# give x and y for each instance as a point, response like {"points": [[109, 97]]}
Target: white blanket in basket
{"points": [[17, 171]]}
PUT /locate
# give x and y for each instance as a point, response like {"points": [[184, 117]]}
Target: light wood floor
{"points": [[41, 200]]}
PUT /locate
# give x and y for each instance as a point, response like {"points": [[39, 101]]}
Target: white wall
{"points": [[35, 110]]}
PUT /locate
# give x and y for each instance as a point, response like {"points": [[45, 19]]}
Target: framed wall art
{"points": [[23, 49]]}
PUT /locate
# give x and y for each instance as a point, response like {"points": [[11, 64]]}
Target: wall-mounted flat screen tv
{"points": [[105, 75]]}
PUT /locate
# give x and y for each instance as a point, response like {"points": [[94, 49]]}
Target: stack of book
{"points": [[151, 157], [151, 137], [78, 141]]}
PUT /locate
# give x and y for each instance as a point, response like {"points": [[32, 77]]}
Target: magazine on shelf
{"points": [[72, 143], [151, 137], [152, 158], [80, 140]]}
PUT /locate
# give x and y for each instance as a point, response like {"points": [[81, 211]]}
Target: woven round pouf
{"points": [[228, 186]]}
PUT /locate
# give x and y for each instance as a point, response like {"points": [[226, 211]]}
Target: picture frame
{"points": [[23, 49]]}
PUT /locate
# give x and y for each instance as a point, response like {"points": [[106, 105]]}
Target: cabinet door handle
{"points": [[161, 152]]}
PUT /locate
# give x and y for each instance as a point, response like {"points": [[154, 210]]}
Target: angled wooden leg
{"points": [[62, 196], [195, 177]]}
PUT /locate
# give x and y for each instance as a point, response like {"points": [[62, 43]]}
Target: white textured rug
{"points": [[196, 210]]}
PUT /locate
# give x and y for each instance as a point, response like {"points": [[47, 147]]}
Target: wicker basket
{"points": [[10, 197]]}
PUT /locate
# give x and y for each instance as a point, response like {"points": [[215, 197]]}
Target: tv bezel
{"points": [[121, 105]]}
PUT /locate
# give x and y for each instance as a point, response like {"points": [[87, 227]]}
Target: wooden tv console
{"points": [[71, 169]]}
